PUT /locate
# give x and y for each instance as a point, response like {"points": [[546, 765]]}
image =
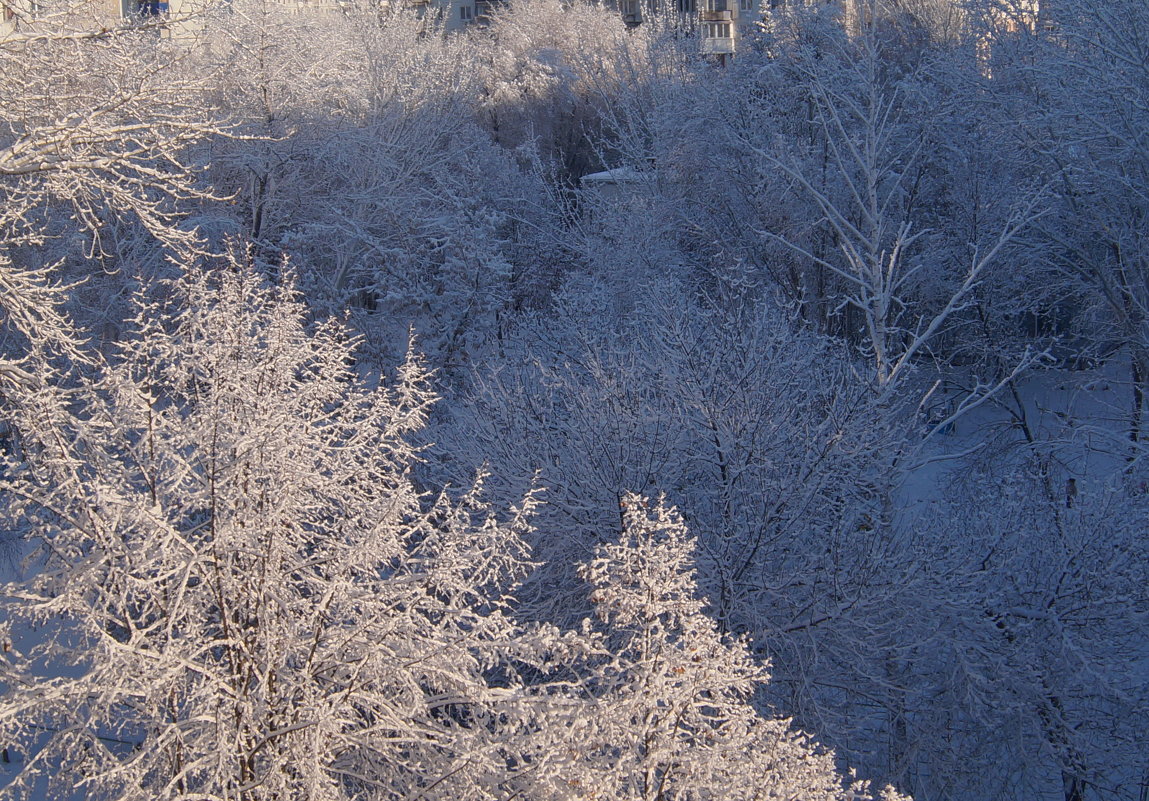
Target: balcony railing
{"points": [[717, 47]]}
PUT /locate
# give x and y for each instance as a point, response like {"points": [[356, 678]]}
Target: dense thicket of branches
{"points": [[866, 307]]}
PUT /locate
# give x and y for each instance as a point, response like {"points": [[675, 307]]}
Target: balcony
{"points": [[716, 15], [717, 35], [717, 47]]}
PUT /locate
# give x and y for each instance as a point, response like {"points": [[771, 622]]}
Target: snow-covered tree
{"points": [[670, 714], [236, 589], [1087, 81], [898, 295], [96, 114], [98, 118]]}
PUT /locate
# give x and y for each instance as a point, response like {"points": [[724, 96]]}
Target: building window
{"points": [[466, 14], [716, 30], [717, 5], [746, 6], [151, 8], [686, 6]]}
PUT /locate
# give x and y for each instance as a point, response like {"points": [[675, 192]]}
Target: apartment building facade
{"points": [[16, 15]]}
